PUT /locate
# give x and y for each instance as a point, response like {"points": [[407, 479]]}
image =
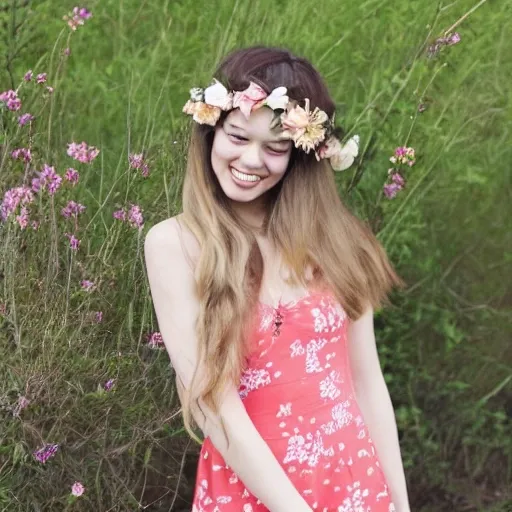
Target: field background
{"points": [[444, 345]]}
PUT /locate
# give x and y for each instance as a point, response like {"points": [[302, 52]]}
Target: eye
{"points": [[237, 137], [278, 151]]}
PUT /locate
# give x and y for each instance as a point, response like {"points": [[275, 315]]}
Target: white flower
{"points": [[196, 94], [217, 95], [344, 158], [277, 98]]}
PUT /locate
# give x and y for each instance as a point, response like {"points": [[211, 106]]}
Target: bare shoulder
{"points": [[171, 238]]}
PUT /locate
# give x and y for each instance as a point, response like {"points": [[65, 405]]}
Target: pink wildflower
{"points": [[74, 242], [22, 219], [77, 489], [73, 209], [404, 155], [12, 198], [22, 154], [25, 119], [135, 218], [77, 17], [87, 285], [41, 78], [119, 215], [72, 175], [391, 190], [98, 316], [28, 76], [136, 161], [453, 38], [155, 340], [82, 152], [67, 52], [50, 89], [46, 452], [47, 177], [10, 98]]}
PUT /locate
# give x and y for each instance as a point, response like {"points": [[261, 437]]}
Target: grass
{"points": [[444, 344]]}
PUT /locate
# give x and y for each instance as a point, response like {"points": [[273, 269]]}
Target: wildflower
{"points": [[22, 219], [120, 215], [391, 190], [67, 52], [22, 154], [87, 285], [72, 175], [441, 42], [11, 100], [155, 340], [46, 452], [202, 113], [136, 161], [25, 119], [403, 155], [109, 384], [74, 242], [41, 78], [82, 152], [28, 76], [34, 225], [77, 489], [12, 198], [98, 316], [49, 89], [134, 217], [77, 17], [452, 39], [72, 209], [23, 402], [47, 177]]}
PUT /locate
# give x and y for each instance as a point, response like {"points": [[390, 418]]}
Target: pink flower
{"points": [[72, 175], [41, 78], [28, 76], [136, 161], [49, 89], [72, 209], [22, 154], [23, 402], [77, 17], [10, 98], [249, 99], [391, 190], [77, 489], [12, 198], [120, 215], [453, 38], [25, 119], [22, 219], [47, 177], [46, 452], [155, 340], [74, 242], [98, 316], [135, 218], [67, 52], [87, 285], [82, 152]]}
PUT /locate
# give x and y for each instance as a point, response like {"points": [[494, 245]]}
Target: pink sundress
{"points": [[297, 388]]}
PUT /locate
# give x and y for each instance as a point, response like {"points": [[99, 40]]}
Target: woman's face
{"points": [[248, 157]]}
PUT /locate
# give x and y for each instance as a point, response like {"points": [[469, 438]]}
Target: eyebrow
{"points": [[282, 139]]}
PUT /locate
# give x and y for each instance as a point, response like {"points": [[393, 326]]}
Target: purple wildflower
{"points": [[82, 152], [23, 402], [119, 215], [12, 198], [72, 175], [155, 340], [77, 17], [74, 242], [28, 76], [22, 154], [136, 161], [73, 209], [41, 78], [77, 489], [10, 98], [98, 316], [47, 177], [25, 119], [46, 452], [87, 285], [135, 218], [109, 384]]}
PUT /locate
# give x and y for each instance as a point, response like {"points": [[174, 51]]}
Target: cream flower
{"points": [[189, 107], [329, 148], [344, 158], [206, 114], [252, 98], [217, 95], [277, 98]]}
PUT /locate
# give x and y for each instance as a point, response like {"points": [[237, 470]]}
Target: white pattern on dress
{"points": [[328, 386], [341, 416], [252, 379], [306, 449], [355, 501]]}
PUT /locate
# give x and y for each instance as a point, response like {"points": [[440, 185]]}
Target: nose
{"points": [[251, 158]]}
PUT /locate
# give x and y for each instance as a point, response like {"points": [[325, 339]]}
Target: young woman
{"points": [[264, 290]]}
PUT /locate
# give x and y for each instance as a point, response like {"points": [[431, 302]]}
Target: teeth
{"points": [[244, 177]]}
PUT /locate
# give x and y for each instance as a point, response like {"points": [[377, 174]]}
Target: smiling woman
{"points": [[264, 289]]}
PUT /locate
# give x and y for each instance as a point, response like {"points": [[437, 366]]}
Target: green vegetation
{"points": [[72, 321]]}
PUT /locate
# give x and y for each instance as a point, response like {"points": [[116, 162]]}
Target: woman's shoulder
{"points": [[173, 234]]}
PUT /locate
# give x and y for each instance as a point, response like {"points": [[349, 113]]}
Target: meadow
{"points": [[92, 154]]}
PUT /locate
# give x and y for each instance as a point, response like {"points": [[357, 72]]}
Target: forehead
{"points": [[258, 124]]}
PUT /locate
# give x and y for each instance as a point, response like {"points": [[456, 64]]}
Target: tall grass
{"points": [[78, 337]]}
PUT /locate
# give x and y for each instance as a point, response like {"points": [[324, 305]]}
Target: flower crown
{"points": [[309, 130]]}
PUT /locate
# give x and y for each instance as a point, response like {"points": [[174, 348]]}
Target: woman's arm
{"points": [[248, 455], [375, 403]]}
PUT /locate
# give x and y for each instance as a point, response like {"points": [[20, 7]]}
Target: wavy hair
{"points": [[305, 221]]}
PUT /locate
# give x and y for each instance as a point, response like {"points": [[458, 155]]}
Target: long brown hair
{"points": [[305, 222]]}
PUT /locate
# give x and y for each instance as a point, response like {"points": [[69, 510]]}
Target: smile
{"points": [[244, 177]]}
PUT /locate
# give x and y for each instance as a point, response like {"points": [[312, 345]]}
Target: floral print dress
{"points": [[297, 389]]}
